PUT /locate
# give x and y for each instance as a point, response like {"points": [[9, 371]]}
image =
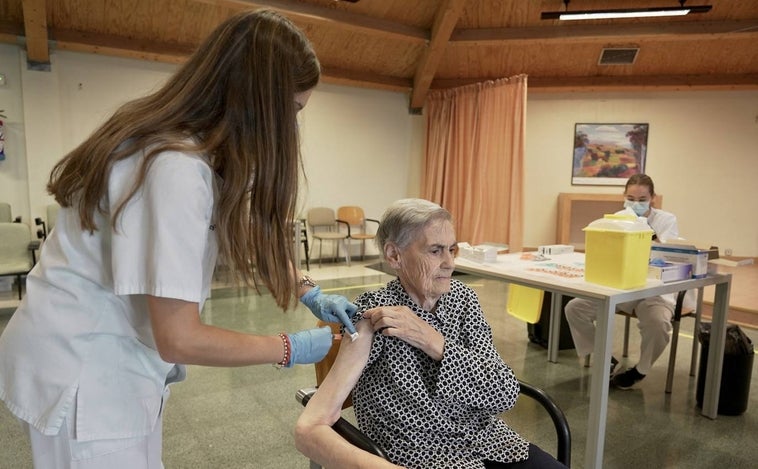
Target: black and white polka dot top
{"points": [[429, 414]]}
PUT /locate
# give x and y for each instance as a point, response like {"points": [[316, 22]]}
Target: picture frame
{"points": [[608, 154]]}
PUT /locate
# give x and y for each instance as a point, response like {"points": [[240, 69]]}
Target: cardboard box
{"points": [[683, 253], [670, 271]]}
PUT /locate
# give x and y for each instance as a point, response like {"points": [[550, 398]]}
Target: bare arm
{"points": [[314, 436], [181, 337]]}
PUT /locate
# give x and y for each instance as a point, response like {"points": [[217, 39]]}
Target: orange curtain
{"points": [[474, 158]]}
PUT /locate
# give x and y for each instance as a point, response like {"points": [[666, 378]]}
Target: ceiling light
{"points": [[624, 12]]}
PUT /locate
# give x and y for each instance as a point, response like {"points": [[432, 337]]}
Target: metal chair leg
{"points": [[627, 321], [672, 356]]}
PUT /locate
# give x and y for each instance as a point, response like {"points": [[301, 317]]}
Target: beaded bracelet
{"points": [[287, 350]]}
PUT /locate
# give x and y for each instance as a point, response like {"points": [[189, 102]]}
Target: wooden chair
{"points": [[355, 219], [325, 227], [353, 435]]}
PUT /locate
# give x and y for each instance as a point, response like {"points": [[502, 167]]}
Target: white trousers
{"points": [[654, 322], [63, 451]]}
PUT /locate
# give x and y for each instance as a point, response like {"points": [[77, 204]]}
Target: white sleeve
{"points": [[665, 226], [159, 244]]}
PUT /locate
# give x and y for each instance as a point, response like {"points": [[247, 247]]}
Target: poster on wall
{"points": [[608, 154]]}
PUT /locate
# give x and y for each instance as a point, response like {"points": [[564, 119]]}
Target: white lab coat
{"points": [[81, 341]]}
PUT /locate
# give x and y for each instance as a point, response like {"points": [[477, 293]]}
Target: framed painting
{"points": [[608, 154]]}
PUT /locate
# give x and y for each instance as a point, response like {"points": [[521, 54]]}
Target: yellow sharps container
{"points": [[617, 251]]}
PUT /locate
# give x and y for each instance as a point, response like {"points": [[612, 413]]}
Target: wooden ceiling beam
{"points": [[742, 81], [105, 44], [346, 20], [444, 23], [579, 33], [339, 76], [35, 31]]}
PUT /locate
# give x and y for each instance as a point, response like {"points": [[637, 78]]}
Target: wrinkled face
{"points": [[426, 266]]}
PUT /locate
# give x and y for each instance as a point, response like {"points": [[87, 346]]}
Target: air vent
{"points": [[618, 56]]}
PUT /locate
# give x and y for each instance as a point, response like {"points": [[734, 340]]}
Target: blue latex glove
{"points": [[309, 346], [330, 308]]}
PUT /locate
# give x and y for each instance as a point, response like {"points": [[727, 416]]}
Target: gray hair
{"points": [[404, 219]]}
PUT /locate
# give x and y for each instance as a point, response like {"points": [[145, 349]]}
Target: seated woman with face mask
{"points": [[428, 381], [654, 313]]}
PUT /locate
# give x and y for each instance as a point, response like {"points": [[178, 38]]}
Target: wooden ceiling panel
{"points": [[417, 13], [359, 52], [500, 14], [11, 12], [728, 55], [393, 44]]}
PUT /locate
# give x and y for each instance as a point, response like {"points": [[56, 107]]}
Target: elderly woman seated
{"points": [[427, 381]]}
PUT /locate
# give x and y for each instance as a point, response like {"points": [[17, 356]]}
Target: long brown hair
{"points": [[233, 100]]}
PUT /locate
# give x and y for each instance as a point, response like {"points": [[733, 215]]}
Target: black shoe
{"points": [[614, 364], [627, 379]]}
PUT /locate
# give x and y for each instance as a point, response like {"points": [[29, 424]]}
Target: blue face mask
{"points": [[639, 208]]}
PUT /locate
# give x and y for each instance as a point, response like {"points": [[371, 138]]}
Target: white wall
{"points": [[702, 155], [362, 146], [13, 172]]}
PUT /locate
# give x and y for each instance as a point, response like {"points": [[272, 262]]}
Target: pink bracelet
{"points": [[287, 350]]}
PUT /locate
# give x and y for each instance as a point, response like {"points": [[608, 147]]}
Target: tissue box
{"points": [[481, 253], [682, 253], [670, 272]]}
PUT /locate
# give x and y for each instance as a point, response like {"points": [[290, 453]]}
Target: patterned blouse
{"points": [[428, 414]]}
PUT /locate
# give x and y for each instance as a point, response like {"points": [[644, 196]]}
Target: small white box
{"points": [[555, 249]]}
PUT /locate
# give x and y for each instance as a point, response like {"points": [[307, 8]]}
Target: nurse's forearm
{"points": [[181, 337]]}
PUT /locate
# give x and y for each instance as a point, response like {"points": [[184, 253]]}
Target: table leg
{"points": [[554, 332], [716, 350], [601, 362], [696, 329]]}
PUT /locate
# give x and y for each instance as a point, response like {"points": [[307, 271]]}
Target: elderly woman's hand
{"points": [[401, 322]]}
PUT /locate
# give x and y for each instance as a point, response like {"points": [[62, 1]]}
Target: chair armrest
{"points": [[344, 428], [373, 220], [33, 246], [346, 224], [354, 436], [559, 420]]}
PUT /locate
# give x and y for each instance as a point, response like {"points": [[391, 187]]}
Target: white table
{"points": [[511, 269]]}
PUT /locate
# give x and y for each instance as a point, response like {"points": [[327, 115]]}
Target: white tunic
{"points": [[82, 332]]}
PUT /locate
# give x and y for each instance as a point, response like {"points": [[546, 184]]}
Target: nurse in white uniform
{"points": [[654, 314], [207, 165]]}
